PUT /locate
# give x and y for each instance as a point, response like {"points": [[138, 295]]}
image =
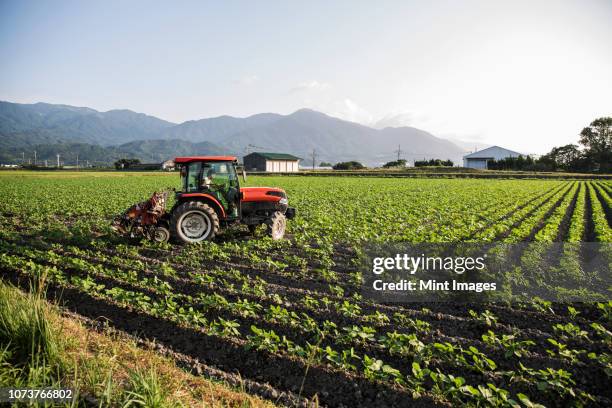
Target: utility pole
{"points": [[58, 162], [77, 161], [314, 158], [398, 151], [22, 157], [46, 163], [35, 157]]}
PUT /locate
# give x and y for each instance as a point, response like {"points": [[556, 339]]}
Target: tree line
{"points": [[593, 154]]}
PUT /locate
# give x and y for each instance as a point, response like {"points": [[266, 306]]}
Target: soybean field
{"points": [[287, 319]]}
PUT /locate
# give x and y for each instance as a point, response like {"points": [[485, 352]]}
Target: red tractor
{"points": [[210, 199]]}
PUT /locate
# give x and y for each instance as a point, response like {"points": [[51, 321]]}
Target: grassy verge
{"points": [[41, 348]]}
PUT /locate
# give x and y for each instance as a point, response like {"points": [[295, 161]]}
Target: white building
{"points": [[168, 165], [479, 159], [271, 162]]}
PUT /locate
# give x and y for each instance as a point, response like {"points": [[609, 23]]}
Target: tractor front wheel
{"points": [[161, 234], [194, 221], [276, 225]]}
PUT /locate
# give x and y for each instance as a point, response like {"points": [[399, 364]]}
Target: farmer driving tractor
{"points": [[210, 197]]}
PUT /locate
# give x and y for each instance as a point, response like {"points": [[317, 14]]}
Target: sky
{"points": [[525, 75]]}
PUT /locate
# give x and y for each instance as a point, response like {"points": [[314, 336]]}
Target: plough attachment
{"points": [[147, 219]]}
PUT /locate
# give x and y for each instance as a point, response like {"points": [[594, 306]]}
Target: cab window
{"points": [[223, 174], [192, 177]]}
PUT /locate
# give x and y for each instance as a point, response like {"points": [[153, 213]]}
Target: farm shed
{"points": [[479, 159], [271, 162]]}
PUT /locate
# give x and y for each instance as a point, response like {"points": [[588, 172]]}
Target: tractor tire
{"points": [[194, 221], [276, 225], [161, 234]]}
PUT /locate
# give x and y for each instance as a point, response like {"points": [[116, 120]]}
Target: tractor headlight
{"points": [[284, 201]]}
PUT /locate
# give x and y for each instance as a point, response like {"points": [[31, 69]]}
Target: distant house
{"points": [[479, 159], [168, 165], [271, 162]]}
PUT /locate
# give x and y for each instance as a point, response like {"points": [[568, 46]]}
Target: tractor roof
{"points": [[190, 159]]}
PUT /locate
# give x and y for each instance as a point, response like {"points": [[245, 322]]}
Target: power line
{"points": [[252, 146], [314, 158], [399, 152]]}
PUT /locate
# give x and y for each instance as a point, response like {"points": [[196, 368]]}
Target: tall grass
{"points": [[25, 331], [29, 347], [34, 354], [145, 390]]}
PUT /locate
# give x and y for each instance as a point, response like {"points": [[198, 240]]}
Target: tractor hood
{"points": [[262, 194]]}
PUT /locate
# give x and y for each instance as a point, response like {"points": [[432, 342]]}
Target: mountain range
{"points": [[102, 137]]}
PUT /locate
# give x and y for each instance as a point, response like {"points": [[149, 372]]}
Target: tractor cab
{"points": [[211, 177]]}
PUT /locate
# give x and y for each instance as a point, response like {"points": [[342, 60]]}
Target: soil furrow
{"points": [[332, 387], [589, 226]]}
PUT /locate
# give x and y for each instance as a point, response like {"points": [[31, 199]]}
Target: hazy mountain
{"points": [[469, 146], [417, 144], [338, 140], [68, 152], [217, 130], [125, 133], [148, 151], [28, 124], [163, 149], [304, 130]]}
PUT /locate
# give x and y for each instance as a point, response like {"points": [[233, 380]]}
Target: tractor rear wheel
{"points": [[276, 225], [194, 221]]}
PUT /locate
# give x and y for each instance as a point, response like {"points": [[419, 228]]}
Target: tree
{"points": [[395, 163], [325, 164], [433, 163], [125, 163], [350, 165], [512, 163], [597, 142], [566, 157]]}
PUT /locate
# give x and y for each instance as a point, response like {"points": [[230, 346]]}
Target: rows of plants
{"points": [[603, 232], [158, 299], [300, 298]]}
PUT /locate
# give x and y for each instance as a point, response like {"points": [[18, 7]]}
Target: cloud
{"points": [[247, 80], [348, 109], [313, 85], [445, 126], [397, 119]]}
